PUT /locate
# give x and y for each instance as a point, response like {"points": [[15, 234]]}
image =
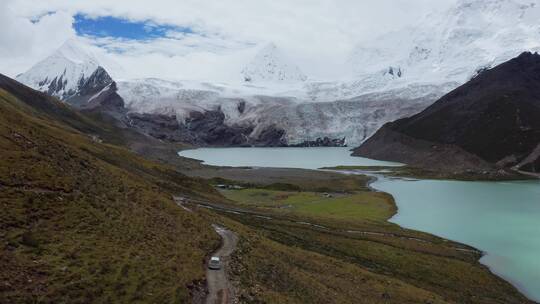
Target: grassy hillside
{"points": [[83, 221]]}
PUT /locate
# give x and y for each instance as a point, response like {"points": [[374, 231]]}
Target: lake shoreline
{"points": [[375, 176], [407, 171], [372, 179], [492, 267]]}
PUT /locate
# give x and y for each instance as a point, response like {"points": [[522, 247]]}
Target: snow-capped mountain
{"points": [[65, 72], [74, 75], [452, 46], [270, 65], [396, 75]]}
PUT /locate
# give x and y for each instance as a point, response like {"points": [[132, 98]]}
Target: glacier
{"points": [[394, 76]]}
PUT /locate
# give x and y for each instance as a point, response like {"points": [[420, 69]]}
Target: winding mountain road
{"points": [[219, 287]]}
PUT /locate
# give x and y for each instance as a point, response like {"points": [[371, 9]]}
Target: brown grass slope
{"points": [[87, 222]]}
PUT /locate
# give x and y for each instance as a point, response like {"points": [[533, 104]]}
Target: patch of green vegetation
{"points": [[359, 206], [256, 197], [85, 222]]}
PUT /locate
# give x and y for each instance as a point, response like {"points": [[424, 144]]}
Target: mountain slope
{"points": [[87, 222], [494, 117]]}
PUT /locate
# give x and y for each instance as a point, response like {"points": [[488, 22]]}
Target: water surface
{"points": [[305, 158], [500, 218]]}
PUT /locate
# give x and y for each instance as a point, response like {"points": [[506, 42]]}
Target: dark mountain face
{"points": [[98, 90], [86, 87], [495, 116], [96, 82], [204, 129]]}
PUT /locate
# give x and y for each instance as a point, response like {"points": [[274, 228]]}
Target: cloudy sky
{"points": [[200, 39]]}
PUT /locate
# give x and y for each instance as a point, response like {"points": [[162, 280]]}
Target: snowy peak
{"points": [[74, 52], [270, 65], [520, 9], [64, 73], [476, 19], [450, 46]]}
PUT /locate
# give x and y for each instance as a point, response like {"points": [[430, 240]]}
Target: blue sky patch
{"points": [[122, 28]]}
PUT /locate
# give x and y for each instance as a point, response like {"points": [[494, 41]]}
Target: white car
{"points": [[214, 263]]}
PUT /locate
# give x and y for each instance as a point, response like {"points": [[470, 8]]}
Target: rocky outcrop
{"points": [[210, 129], [204, 129], [90, 91], [531, 163], [58, 84], [494, 120], [95, 83], [107, 99], [162, 127], [271, 136]]}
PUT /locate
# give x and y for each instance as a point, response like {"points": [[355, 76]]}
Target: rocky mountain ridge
{"points": [[492, 122]]}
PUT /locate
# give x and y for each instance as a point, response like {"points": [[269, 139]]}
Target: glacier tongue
{"points": [[354, 118]]}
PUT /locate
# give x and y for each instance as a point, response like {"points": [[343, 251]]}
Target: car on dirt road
{"points": [[214, 263]]}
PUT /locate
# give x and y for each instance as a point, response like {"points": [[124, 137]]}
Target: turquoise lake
{"points": [[305, 158], [500, 218]]}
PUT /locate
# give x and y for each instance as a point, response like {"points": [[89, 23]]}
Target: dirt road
{"points": [[219, 287]]}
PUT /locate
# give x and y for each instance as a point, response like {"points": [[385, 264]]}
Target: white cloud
{"points": [[22, 41], [177, 56], [316, 34]]}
